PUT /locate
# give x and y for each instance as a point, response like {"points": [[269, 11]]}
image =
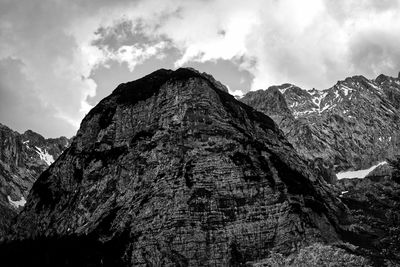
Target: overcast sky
{"points": [[59, 58]]}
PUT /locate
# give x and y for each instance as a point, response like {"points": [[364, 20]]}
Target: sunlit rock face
{"points": [[170, 170], [23, 157], [350, 126]]}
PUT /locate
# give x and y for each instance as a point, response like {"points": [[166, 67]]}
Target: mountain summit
{"points": [[352, 125], [23, 157], [172, 170]]}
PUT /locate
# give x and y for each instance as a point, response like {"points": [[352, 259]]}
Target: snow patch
{"points": [[346, 89], [283, 90], [374, 86], [336, 94], [18, 203], [296, 114], [359, 173], [325, 108], [45, 156], [318, 99]]}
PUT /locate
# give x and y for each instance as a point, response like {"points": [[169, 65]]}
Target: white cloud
{"points": [[35, 34], [135, 54], [310, 43]]}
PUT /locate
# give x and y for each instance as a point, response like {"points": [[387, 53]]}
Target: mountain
{"points": [[23, 157], [350, 126], [171, 170]]}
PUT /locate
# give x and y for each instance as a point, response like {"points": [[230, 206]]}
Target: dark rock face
{"points": [[23, 157], [169, 170], [352, 125], [374, 203], [391, 88]]}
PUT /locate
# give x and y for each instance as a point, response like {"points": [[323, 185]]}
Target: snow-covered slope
{"points": [[359, 173]]}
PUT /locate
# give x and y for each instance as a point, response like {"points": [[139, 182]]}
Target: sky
{"points": [[59, 58]]}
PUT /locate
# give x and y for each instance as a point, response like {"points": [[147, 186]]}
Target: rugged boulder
{"points": [[169, 170], [23, 157]]}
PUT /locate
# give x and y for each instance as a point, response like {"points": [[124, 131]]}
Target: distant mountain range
{"points": [[352, 125], [23, 157]]}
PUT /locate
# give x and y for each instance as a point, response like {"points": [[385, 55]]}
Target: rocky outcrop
{"points": [[23, 157], [169, 170], [350, 126], [374, 203]]}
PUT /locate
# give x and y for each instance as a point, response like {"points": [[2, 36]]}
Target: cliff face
{"points": [[23, 157], [374, 203], [171, 170], [352, 125]]}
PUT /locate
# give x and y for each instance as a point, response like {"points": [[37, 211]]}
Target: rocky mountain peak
{"points": [[352, 125], [355, 79], [209, 77], [277, 103], [171, 170], [382, 78], [23, 157], [293, 90], [33, 136]]}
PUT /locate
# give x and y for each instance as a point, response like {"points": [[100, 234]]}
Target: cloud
{"points": [[23, 109], [310, 43], [64, 46], [134, 55], [376, 52], [35, 34]]}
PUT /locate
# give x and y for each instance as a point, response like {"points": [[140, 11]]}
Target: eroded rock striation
{"points": [[169, 170], [23, 157]]}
